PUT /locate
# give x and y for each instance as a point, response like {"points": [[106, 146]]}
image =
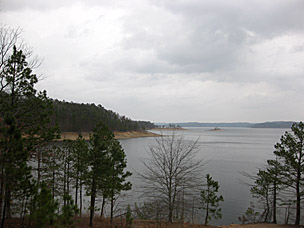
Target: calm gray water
{"points": [[229, 152]]}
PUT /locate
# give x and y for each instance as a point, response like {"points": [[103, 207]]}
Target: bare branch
{"points": [[172, 173]]}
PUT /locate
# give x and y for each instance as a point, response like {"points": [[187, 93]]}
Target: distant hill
{"points": [[197, 124], [274, 124], [74, 117]]}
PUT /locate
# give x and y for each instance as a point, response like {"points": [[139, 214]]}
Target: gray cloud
{"points": [[183, 60], [46, 5], [207, 36]]}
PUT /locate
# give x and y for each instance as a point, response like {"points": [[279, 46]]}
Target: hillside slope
{"points": [[74, 117]]}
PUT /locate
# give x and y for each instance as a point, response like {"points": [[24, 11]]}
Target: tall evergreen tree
{"points": [[116, 180], [290, 153], [18, 87], [106, 174], [43, 207], [24, 123], [275, 173], [80, 165], [15, 173], [99, 163], [262, 191], [210, 200]]}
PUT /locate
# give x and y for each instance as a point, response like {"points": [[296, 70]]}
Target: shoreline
{"points": [[169, 129], [117, 135]]}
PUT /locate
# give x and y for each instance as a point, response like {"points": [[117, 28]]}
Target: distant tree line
{"points": [[73, 117]]}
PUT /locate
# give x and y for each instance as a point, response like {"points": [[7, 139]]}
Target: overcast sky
{"points": [[170, 60]]}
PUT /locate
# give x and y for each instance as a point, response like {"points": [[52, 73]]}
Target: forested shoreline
{"points": [[74, 117], [40, 184]]}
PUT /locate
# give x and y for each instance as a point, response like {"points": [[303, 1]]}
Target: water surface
{"points": [[229, 152]]}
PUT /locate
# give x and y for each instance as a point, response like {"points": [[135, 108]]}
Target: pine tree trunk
{"points": [[76, 190], [92, 207], [298, 202], [80, 199], [38, 168], [68, 180], [1, 189], [4, 214], [267, 208], [53, 187], [112, 208], [274, 219], [64, 181], [102, 206], [8, 204], [207, 214], [207, 207], [4, 207]]}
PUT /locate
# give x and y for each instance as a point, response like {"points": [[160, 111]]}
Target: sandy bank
{"points": [[118, 135], [134, 134]]}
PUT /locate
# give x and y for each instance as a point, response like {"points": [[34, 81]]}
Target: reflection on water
{"points": [[229, 152]]}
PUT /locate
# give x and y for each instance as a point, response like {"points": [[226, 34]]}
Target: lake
{"points": [[229, 152]]}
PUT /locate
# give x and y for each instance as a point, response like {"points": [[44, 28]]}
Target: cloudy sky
{"points": [[165, 60]]}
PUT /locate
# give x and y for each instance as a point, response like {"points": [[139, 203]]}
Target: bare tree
{"points": [[172, 173]]}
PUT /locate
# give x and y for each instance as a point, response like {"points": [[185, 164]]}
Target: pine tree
{"points": [[80, 162], [99, 163], [15, 173], [117, 176], [68, 211], [275, 173], [262, 191], [129, 218], [106, 174], [290, 154], [43, 207], [210, 200], [24, 117]]}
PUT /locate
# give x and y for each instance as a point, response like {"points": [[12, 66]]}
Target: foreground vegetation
{"points": [[280, 184], [37, 180]]}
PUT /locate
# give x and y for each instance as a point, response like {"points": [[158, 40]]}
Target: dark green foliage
{"points": [[51, 168], [80, 163], [24, 127], [262, 191], [210, 200], [15, 173], [68, 212], [250, 216], [116, 176], [266, 188], [43, 207], [129, 218], [106, 168], [282, 176], [84, 117], [99, 162], [290, 154], [27, 128]]}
